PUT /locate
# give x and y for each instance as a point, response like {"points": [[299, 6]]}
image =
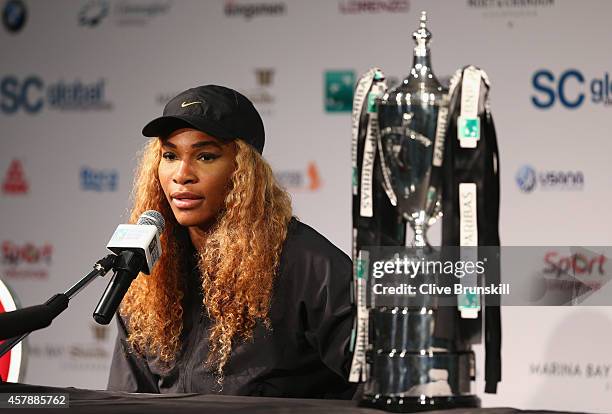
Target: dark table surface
{"points": [[107, 402]]}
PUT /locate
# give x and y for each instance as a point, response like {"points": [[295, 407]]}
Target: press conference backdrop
{"points": [[79, 79]]}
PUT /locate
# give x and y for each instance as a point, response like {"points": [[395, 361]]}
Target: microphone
{"points": [[137, 248], [17, 324], [32, 318]]}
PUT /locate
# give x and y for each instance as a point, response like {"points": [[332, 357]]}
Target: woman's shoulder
{"points": [[305, 243], [315, 272]]}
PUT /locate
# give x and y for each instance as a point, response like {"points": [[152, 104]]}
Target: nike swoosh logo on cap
{"points": [[184, 104]]}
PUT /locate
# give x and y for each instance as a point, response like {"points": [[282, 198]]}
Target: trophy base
{"points": [[416, 404]]}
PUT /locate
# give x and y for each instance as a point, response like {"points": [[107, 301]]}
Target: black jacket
{"points": [[305, 355]]}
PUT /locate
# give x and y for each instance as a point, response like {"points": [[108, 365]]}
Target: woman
{"points": [[245, 299]]}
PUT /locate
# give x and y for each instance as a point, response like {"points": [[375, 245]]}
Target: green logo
{"points": [[469, 128], [339, 86], [372, 102], [120, 234], [360, 268], [468, 301]]}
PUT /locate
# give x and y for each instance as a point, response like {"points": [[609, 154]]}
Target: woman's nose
{"points": [[184, 174]]}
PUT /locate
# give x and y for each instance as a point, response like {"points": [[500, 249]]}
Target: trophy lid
{"points": [[421, 83], [422, 36]]}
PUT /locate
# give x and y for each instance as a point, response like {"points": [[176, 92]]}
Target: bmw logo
{"points": [[14, 15], [526, 178]]}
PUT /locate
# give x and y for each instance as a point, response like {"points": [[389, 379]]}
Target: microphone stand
{"points": [[38, 317]]}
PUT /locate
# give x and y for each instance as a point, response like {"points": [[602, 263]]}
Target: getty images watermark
{"points": [[431, 269], [515, 276]]}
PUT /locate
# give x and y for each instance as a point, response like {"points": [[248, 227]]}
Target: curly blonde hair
{"points": [[237, 265]]}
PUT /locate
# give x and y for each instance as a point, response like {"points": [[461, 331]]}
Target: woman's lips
{"points": [[186, 200]]}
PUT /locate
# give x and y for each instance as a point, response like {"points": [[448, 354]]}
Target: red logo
{"points": [[574, 265], [14, 181], [577, 270], [26, 261]]}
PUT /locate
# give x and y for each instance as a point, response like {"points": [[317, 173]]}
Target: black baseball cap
{"points": [[216, 110]]}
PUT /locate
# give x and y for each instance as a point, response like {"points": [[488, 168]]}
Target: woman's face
{"points": [[194, 172]]}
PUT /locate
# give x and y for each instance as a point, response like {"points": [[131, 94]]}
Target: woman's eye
{"points": [[168, 156], [207, 156]]}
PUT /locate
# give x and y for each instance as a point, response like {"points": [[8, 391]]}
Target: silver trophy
{"points": [[408, 120], [411, 368]]}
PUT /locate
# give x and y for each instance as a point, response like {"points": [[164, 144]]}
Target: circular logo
{"points": [[14, 15], [526, 178], [11, 364]]}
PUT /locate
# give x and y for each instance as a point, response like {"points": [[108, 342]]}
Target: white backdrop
{"points": [[81, 78]]}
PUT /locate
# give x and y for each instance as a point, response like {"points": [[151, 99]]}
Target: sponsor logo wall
{"points": [[95, 71]]}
